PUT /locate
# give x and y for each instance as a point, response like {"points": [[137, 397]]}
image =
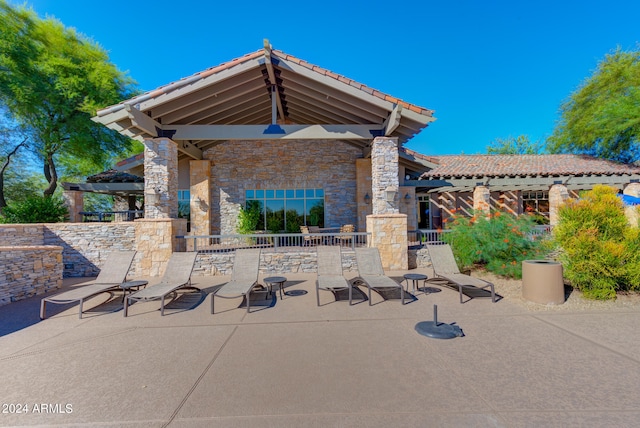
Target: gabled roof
{"points": [[261, 88], [524, 165]]}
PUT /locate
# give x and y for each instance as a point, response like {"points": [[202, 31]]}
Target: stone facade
{"points": [[74, 201], [285, 164], [27, 271], [271, 262], [155, 241], [482, 199], [200, 203], [87, 245], [21, 234], [160, 178], [389, 235], [384, 175]]}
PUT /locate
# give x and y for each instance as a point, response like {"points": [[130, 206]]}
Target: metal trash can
{"points": [[542, 282]]}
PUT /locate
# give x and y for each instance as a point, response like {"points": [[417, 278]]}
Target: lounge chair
{"points": [[244, 277], [310, 239], [177, 275], [445, 267], [112, 274], [330, 275], [371, 273], [345, 239]]}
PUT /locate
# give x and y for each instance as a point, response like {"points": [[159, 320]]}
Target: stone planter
{"points": [[542, 282]]}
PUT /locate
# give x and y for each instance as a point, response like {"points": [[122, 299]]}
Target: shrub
{"points": [[498, 241], [600, 252], [248, 219], [35, 209]]}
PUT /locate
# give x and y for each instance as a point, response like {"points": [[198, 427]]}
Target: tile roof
{"points": [[524, 165]]}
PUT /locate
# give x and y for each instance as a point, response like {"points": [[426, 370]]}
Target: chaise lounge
{"points": [[177, 275], [445, 267], [371, 273], [330, 276], [112, 274], [244, 277]]}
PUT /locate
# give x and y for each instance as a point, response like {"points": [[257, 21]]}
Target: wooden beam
{"points": [[393, 121], [189, 149], [272, 78], [285, 132]]}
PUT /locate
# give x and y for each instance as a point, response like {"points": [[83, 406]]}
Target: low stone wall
{"points": [[271, 262], [26, 271], [419, 258], [21, 234], [87, 245]]}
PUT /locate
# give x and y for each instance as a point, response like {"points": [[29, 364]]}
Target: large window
{"points": [[287, 209]]}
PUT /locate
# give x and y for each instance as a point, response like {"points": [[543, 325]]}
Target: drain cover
{"points": [[438, 330]]}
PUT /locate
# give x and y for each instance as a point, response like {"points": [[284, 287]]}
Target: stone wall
{"points": [[21, 234], [86, 245], [271, 262], [26, 271], [285, 164]]}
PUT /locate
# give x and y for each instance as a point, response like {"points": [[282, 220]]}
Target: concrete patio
{"points": [[289, 363]]}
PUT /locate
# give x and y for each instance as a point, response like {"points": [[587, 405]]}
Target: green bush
{"points": [[35, 209], [600, 252], [498, 241], [248, 219]]}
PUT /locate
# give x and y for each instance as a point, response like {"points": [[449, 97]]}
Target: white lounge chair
{"points": [[330, 276], [371, 273], [112, 274], [177, 275], [244, 277], [445, 267]]}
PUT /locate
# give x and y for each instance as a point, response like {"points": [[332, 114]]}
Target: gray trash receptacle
{"points": [[542, 282]]}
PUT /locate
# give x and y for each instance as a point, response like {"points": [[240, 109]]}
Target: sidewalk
{"points": [[289, 363]]}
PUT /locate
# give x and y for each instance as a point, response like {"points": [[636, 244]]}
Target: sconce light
{"points": [[407, 198], [391, 195], [367, 199]]}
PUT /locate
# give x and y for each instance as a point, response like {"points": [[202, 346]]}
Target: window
{"points": [[184, 209], [287, 209], [536, 202]]}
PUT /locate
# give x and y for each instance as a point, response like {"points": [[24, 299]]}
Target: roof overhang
{"points": [[244, 98]]}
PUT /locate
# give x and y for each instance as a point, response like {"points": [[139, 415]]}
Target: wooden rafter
{"points": [[272, 79]]}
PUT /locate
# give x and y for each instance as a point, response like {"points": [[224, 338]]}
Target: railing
{"points": [[109, 216], [421, 237], [276, 241]]}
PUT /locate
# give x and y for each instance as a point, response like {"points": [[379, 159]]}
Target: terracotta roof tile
{"points": [[525, 165]]}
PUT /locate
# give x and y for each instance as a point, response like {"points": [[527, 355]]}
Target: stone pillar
{"points": [[160, 178], [74, 201], [558, 194], [200, 203], [155, 241], [387, 226], [384, 175], [363, 192], [632, 212], [482, 199]]}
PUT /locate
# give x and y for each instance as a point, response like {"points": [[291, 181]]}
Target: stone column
{"points": [[558, 194], [387, 226], [632, 212], [200, 203], [482, 199], [74, 201], [160, 178], [363, 192]]}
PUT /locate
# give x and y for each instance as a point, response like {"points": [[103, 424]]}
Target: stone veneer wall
{"points": [[21, 234], [271, 262], [285, 164], [86, 245], [26, 271]]}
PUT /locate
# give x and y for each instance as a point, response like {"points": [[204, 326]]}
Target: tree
{"points": [[520, 145], [53, 81], [602, 117]]}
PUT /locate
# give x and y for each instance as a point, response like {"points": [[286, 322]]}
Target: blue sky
{"points": [[489, 69]]}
